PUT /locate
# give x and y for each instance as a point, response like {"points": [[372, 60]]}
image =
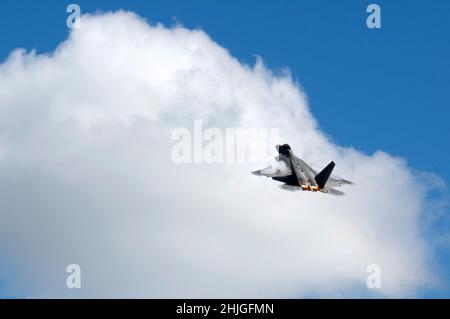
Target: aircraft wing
{"points": [[281, 168], [290, 188], [335, 181], [333, 191]]}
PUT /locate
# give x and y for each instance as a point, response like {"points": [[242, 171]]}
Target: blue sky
{"points": [[385, 89]]}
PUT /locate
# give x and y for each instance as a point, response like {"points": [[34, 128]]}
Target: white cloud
{"points": [[86, 178]]}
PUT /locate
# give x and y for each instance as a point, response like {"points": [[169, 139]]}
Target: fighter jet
{"points": [[297, 175]]}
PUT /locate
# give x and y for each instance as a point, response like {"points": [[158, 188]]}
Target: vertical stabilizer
{"points": [[322, 177]]}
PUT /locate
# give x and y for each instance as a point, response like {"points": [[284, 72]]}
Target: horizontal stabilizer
{"points": [[335, 192], [322, 177], [344, 181], [290, 187]]}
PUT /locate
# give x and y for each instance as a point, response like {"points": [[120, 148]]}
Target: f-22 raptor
{"points": [[297, 175]]}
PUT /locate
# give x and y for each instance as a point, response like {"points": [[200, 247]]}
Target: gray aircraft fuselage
{"points": [[297, 175]]}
